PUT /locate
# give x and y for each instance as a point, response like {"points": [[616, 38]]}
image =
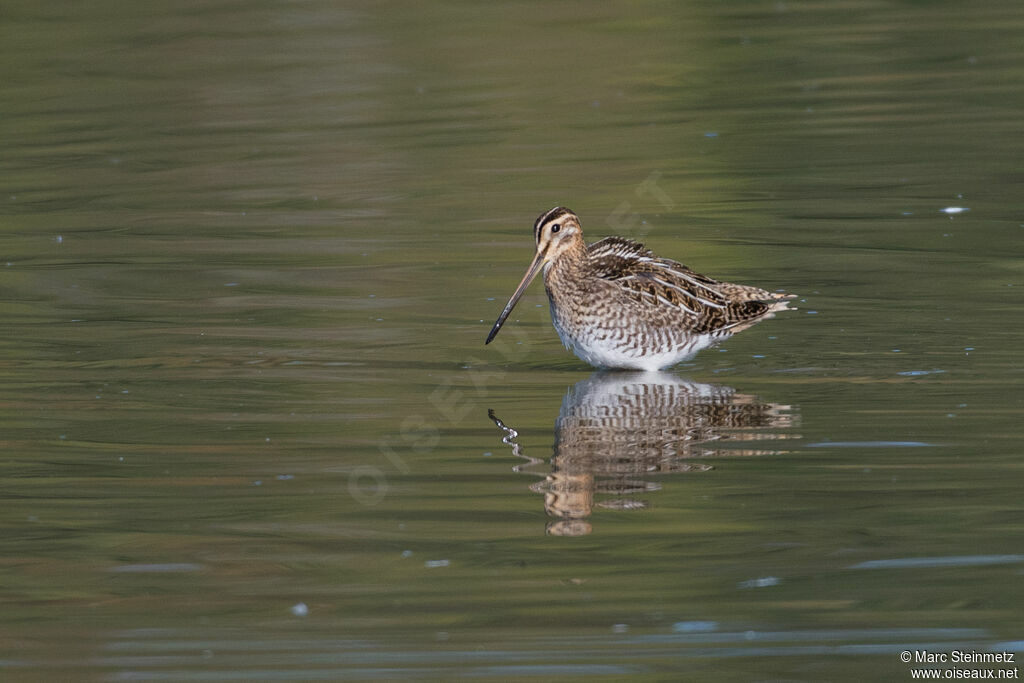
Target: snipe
{"points": [[616, 305]]}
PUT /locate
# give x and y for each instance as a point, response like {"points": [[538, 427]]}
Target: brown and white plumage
{"points": [[617, 305]]}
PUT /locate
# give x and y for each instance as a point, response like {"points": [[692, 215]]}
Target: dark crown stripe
{"points": [[547, 216]]}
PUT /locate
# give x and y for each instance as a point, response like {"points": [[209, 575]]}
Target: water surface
{"points": [[251, 253]]}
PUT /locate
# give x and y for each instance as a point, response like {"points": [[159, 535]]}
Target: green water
{"points": [[250, 253]]}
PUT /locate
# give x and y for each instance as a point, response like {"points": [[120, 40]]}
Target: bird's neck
{"points": [[567, 269]]}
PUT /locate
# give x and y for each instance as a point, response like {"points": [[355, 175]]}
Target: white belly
{"points": [[610, 356], [614, 349]]}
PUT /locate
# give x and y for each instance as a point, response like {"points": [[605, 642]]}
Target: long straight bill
{"points": [[531, 273]]}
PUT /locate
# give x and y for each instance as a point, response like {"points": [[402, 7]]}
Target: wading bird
{"points": [[617, 305]]}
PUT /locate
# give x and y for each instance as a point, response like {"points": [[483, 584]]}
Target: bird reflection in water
{"points": [[617, 429]]}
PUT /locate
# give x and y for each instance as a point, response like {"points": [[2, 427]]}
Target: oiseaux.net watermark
{"points": [[960, 665]]}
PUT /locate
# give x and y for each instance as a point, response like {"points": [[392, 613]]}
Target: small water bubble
{"points": [[812, 313], [488, 454], [711, 134], [434, 564], [300, 609], [258, 482], [968, 348], [285, 477], [954, 210], [59, 239], [620, 628], [407, 553], [762, 582]]}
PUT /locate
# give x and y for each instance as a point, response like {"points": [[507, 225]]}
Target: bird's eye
{"points": [[556, 227]]}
